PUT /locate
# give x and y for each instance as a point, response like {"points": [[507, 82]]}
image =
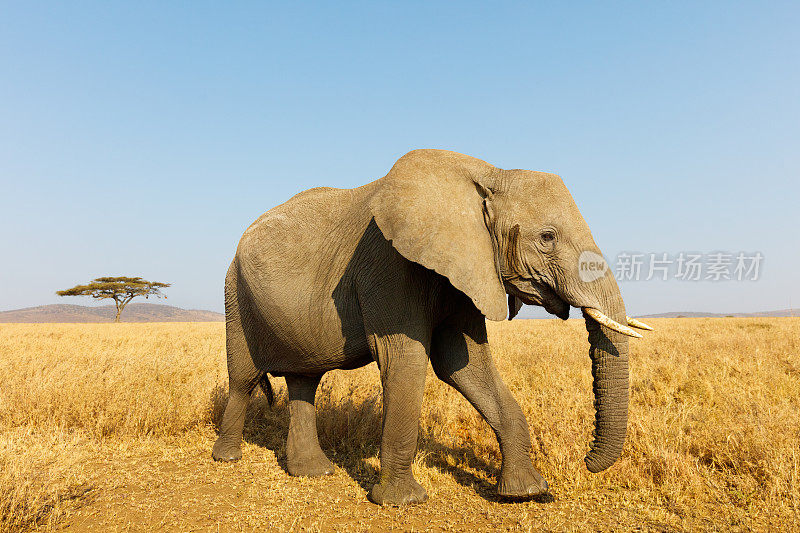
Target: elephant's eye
{"points": [[548, 236]]}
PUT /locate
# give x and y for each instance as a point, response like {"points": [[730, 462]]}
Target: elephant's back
{"points": [[301, 210], [281, 239]]}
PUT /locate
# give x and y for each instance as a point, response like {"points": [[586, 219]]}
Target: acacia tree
{"points": [[120, 289]]}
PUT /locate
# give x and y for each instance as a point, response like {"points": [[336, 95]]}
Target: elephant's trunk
{"points": [[609, 353]]}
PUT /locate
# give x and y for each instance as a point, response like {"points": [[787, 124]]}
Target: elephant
{"points": [[403, 271]]}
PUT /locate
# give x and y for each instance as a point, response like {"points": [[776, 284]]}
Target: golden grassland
{"points": [[109, 426]]}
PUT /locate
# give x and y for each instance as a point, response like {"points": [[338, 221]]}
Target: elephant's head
{"points": [[507, 237]]}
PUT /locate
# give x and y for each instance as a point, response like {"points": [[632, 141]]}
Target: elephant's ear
{"points": [[431, 207]]}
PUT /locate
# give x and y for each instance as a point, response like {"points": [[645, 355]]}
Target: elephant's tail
{"points": [[266, 386]]}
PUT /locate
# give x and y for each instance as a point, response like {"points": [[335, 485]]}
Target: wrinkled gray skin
{"points": [[403, 271]]}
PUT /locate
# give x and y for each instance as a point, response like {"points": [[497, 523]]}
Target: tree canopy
{"points": [[121, 289]]}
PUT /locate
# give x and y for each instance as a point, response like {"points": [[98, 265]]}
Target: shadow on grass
{"points": [[349, 433]]}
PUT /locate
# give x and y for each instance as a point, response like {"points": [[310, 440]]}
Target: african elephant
{"points": [[402, 271]]}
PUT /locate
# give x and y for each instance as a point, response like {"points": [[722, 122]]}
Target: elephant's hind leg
{"points": [[304, 457], [242, 378]]}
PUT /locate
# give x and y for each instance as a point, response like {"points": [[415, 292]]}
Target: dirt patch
{"points": [[177, 487]]}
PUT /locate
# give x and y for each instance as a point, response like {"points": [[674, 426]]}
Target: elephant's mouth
{"points": [[557, 307], [542, 295]]}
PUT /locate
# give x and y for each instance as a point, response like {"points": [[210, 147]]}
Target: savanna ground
{"points": [[107, 427]]}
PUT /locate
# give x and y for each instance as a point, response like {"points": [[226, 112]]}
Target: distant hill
{"points": [[134, 312], [695, 314], [142, 312]]}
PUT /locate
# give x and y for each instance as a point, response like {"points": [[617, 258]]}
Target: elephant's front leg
{"points": [[403, 364], [460, 357]]}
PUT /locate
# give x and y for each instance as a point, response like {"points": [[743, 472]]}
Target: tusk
{"points": [[638, 324], [610, 324]]}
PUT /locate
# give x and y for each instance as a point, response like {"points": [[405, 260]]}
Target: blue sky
{"points": [[143, 138]]}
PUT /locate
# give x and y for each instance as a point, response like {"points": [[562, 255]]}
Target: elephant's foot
{"points": [[521, 482], [313, 465], [406, 492], [225, 450]]}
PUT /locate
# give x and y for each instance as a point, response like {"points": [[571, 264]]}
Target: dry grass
{"points": [[111, 425]]}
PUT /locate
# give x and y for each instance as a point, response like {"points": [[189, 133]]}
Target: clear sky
{"points": [[142, 138]]}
